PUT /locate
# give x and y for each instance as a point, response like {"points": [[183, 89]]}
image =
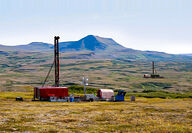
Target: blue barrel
{"points": [[71, 99]]}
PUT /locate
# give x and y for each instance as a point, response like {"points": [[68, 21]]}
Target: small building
{"points": [[105, 93], [44, 93]]}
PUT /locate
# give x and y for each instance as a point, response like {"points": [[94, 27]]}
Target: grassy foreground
{"points": [[144, 115]]}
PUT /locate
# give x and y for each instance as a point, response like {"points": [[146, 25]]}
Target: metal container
{"points": [[44, 93]]}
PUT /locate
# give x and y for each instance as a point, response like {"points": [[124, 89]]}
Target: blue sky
{"points": [[162, 25]]}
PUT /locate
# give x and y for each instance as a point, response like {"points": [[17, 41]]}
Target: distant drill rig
{"points": [[154, 73]]}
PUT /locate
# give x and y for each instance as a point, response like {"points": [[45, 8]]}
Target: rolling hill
{"points": [[187, 55], [33, 46]]}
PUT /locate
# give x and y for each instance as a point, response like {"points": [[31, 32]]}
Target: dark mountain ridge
{"points": [[99, 47], [88, 43]]}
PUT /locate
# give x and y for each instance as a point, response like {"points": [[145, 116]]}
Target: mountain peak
{"points": [[89, 36], [97, 37], [91, 43]]}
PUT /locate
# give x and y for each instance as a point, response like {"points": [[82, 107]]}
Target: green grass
{"points": [[152, 85], [160, 94]]}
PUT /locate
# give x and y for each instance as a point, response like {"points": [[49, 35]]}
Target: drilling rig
{"points": [[154, 73], [45, 93]]}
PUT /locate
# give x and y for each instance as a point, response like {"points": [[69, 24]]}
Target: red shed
{"points": [[44, 93]]}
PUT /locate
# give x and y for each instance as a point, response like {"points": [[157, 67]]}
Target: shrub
{"points": [[80, 89], [148, 91], [160, 94], [151, 85]]}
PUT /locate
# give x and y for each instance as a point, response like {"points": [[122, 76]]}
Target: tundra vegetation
{"points": [[145, 115], [162, 105], [18, 70]]}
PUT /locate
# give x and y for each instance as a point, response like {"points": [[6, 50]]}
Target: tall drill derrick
{"points": [[56, 60]]}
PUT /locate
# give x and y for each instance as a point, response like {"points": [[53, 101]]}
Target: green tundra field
{"points": [[145, 115], [162, 105]]}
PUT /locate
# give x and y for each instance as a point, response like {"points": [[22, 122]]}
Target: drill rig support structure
{"points": [[56, 60]]}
